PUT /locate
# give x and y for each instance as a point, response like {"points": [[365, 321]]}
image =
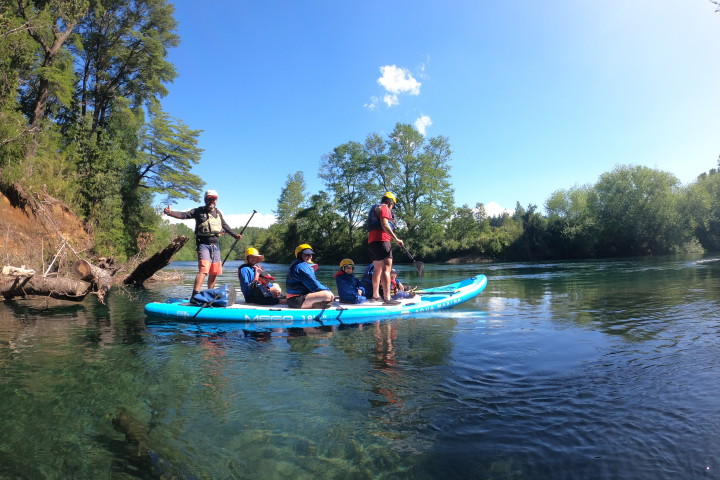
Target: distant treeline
{"points": [[81, 119], [630, 211]]}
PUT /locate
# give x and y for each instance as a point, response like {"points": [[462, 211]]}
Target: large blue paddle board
{"points": [[281, 316]]}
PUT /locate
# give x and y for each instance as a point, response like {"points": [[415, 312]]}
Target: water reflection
{"points": [[558, 370]]}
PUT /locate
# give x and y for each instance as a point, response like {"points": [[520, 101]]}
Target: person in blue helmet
{"points": [[350, 289], [303, 290]]}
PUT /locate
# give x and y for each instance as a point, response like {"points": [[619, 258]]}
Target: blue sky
{"points": [[533, 97]]}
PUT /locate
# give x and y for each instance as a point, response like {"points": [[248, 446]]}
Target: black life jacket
{"points": [[373, 221]]}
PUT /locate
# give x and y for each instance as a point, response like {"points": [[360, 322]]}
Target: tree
{"points": [[123, 55], [572, 229], [291, 198], [417, 170], [636, 210], [168, 150], [348, 175], [701, 206], [50, 24]]}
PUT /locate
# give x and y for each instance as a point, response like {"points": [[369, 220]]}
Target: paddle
{"points": [[418, 264], [442, 292], [217, 296], [236, 240]]}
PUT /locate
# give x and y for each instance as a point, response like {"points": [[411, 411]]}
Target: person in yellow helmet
{"points": [[381, 230], [350, 289], [209, 225], [303, 289], [257, 286]]}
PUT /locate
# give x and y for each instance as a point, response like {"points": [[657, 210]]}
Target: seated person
{"points": [[350, 289], [261, 292], [249, 275], [303, 289], [397, 289]]}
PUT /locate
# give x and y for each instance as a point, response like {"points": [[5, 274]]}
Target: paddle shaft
{"points": [[218, 295], [236, 240], [418, 265]]}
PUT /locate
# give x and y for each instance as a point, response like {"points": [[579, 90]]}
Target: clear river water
{"points": [[567, 370]]}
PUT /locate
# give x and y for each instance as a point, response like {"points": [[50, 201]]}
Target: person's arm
{"points": [[227, 228], [359, 287], [180, 215], [307, 277], [385, 224], [247, 276]]}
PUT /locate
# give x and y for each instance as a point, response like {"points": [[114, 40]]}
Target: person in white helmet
{"points": [[209, 225]]}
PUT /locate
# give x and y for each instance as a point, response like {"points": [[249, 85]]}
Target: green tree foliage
{"points": [[320, 226], [124, 45], [291, 198], [79, 80], [167, 153], [349, 177], [636, 210], [572, 230], [701, 206], [417, 170]]}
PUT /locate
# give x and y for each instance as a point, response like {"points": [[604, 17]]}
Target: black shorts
{"points": [[379, 251], [296, 302]]}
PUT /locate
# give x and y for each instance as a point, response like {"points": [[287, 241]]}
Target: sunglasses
{"points": [[350, 266]]}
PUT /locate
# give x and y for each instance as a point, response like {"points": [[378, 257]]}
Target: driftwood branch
{"points": [[22, 282], [99, 278], [58, 288], [157, 262]]}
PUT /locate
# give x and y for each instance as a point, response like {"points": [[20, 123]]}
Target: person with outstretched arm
{"points": [[209, 225]]}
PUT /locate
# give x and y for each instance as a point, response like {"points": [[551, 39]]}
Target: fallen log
{"points": [[99, 278], [61, 288], [157, 262]]}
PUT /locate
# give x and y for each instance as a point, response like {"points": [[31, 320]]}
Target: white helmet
{"points": [[211, 193]]}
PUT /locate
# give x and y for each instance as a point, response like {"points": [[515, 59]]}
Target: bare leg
{"points": [[377, 274], [211, 280], [199, 278], [385, 279], [321, 296]]}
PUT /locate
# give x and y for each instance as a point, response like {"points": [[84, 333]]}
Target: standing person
{"points": [[256, 285], [209, 225], [350, 289], [381, 226], [303, 289]]}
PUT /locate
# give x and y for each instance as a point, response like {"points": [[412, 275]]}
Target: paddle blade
{"points": [[420, 267]]}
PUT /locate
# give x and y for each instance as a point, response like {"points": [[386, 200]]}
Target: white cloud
{"points": [[391, 99], [422, 123], [398, 80], [494, 209], [373, 103]]}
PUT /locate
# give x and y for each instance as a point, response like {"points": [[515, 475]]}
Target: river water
{"points": [[571, 370]]}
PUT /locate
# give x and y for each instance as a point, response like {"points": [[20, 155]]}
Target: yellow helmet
{"points": [[346, 261], [391, 196], [302, 249], [253, 252]]}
